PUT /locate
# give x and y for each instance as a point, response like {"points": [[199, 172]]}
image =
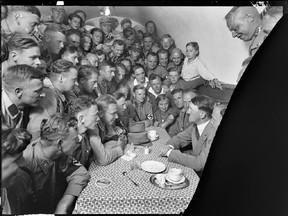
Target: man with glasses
{"points": [[108, 140], [201, 134]]}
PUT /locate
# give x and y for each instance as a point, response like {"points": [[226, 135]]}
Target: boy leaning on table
{"points": [[201, 134]]}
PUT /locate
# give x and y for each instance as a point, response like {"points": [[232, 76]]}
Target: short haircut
{"points": [[20, 42], [245, 9], [60, 66], [118, 95], [204, 103], [31, 9], [166, 36], [162, 51], [80, 103], [195, 45], [154, 77], [178, 90], [163, 97], [118, 42], [93, 30], [86, 71], [127, 32], [120, 65], [73, 31], [126, 20], [124, 83], [146, 35], [152, 54], [70, 48], [57, 126], [105, 64], [137, 66], [99, 52], [73, 15], [14, 141], [53, 29], [80, 11], [139, 87], [18, 75], [104, 101], [176, 69], [190, 90]]}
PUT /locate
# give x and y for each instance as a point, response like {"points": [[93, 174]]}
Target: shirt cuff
{"points": [[168, 152], [171, 146]]}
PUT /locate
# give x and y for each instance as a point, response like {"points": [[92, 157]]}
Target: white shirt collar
{"points": [[154, 93], [201, 127], [145, 84]]}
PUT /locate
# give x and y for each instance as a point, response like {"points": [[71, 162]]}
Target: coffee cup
{"points": [[152, 134], [175, 174]]}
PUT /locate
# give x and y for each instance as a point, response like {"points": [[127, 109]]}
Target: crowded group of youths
{"points": [[69, 96]]}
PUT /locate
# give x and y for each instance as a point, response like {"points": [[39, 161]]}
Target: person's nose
{"points": [[116, 116], [37, 61], [234, 34], [112, 74], [61, 45], [76, 83], [76, 61]]}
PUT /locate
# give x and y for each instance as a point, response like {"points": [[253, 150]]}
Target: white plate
{"points": [[174, 182], [153, 166]]}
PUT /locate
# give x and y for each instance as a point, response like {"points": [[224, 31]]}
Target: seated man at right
{"points": [[200, 134]]}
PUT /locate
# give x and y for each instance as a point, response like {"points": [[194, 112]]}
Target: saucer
{"points": [[175, 182]]}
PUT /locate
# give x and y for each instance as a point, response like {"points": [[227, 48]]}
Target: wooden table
{"points": [[123, 197]]}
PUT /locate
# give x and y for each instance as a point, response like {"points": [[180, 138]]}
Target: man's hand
{"points": [[164, 150], [119, 130], [215, 83], [122, 141]]}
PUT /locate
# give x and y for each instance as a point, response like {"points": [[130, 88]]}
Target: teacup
{"points": [[152, 134], [175, 174]]}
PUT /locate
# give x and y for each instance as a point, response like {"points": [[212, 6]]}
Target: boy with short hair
{"points": [[74, 21], [153, 67], [175, 81], [167, 43], [142, 105]]}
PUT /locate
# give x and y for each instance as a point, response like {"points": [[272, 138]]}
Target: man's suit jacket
{"points": [[200, 148]]}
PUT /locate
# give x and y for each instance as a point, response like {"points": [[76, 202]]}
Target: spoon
{"points": [[125, 174]]}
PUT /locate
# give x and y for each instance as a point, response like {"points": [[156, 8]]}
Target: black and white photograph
{"points": [[146, 109]]}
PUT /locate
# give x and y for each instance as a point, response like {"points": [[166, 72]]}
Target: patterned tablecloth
{"points": [[123, 197]]}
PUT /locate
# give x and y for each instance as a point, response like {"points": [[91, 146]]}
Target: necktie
{"points": [[197, 133]]}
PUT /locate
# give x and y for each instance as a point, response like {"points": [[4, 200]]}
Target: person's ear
{"points": [[14, 56], [18, 16], [82, 80], [81, 119], [59, 143], [18, 92], [60, 78], [202, 114], [101, 113]]}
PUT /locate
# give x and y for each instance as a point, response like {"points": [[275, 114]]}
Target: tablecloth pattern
{"points": [[123, 197]]}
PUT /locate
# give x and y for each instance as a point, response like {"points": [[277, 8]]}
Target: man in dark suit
{"points": [[200, 134]]}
